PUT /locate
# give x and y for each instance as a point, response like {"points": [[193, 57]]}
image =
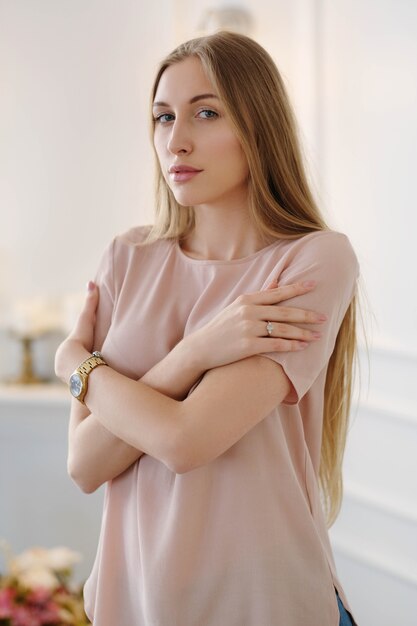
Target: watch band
{"points": [[78, 382], [89, 364]]}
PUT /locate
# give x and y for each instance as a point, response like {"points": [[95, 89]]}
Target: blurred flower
{"points": [[7, 597], [35, 591], [62, 559], [38, 576], [56, 559]]}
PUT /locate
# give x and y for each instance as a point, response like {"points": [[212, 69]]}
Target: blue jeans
{"points": [[344, 615]]}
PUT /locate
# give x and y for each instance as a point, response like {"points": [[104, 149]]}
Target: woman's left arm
{"points": [[189, 433], [183, 434], [96, 455]]}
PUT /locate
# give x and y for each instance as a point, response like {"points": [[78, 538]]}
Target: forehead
{"points": [[183, 80]]}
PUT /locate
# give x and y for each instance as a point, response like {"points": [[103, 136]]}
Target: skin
{"points": [[200, 135], [155, 415]]}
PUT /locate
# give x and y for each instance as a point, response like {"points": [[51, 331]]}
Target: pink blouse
{"points": [[241, 541]]}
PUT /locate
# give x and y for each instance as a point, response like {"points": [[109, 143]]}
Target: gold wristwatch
{"points": [[78, 382]]}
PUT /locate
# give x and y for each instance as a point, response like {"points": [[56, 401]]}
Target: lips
{"points": [[182, 173], [182, 168]]}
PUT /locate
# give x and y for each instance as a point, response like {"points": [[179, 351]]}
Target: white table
{"points": [[39, 504]]}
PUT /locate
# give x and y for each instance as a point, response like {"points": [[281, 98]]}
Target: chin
{"points": [[188, 199]]}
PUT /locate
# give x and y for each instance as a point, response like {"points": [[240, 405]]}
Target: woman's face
{"points": [[192, 130]]}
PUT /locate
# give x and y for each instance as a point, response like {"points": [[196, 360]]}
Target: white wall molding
{"points": [[375, 560], [381, 451], [374, 537], [374, 523], [384, 348], [387, 381], [380, 406], [400, 509]]}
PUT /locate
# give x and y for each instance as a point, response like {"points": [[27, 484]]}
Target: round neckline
{"points": [[244, 259]]}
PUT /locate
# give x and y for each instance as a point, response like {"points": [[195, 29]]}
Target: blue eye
{"points": [[164, 118], [158, 118], [212, 114]]}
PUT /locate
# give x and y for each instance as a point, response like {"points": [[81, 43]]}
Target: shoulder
{"points": [[323, 242], [134, 241], [128, 255], [326, 257], [131, 249], [132, 237], [325, 247]]}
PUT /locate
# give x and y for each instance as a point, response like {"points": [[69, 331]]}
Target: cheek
{"points": [[235, 158], [159, 144], [231, 149]]}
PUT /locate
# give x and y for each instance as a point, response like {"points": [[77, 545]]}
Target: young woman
{"points": [[236, 310]]}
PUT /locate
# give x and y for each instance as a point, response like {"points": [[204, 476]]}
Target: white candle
{"points": [[31, 317]]}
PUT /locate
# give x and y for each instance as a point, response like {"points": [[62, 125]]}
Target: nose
{"points": [[179, 140]]}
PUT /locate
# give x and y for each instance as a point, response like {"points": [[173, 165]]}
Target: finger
{"points": [[273, 284], [270, 344], [287, 331], [289, 315], [88, 310], [91, 300], [285, 292]]}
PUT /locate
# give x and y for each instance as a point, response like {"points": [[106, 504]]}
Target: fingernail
{"points": [[309, 283], [90, 285], [302, 345], [317, 335], [323, 317]]}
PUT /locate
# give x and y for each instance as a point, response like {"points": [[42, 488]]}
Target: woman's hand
{"points": [[79, 343], [239, 331]]}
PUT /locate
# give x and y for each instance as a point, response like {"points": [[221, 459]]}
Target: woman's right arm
{"points": [[95, 455]]}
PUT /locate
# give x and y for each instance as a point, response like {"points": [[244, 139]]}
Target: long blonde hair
{"points": [[280, 202]]}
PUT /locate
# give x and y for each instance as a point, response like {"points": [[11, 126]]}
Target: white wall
{"points": [[368, 97], [75, 168], [75, 156], [75, 152]]}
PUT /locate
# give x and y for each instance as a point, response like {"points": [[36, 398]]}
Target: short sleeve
{"points": [[104, 279], [328, 258]]}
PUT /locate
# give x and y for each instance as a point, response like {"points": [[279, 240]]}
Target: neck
{"points": [[223, 234]]}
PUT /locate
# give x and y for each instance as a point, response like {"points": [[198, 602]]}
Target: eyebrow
{"points": [[202, 96]]}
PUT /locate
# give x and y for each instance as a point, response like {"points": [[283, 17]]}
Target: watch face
{"points": [[75, 385]]}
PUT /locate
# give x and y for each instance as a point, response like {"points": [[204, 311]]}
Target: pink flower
{"points": [[50, 614], [7, 597], [38, 596], [42, 606], [24, 616]]}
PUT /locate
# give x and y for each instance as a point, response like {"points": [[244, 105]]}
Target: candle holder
{"points": [[27, 375], [30, 319]]}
